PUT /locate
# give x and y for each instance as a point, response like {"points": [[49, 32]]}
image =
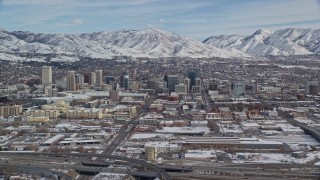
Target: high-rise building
{"points": [[192, 77], [238, 89], [198, 82], [46, 75], [110, 79], [87, 78], [187, 82], [165, 78], [99, 76], [133, 74], [196, 89], [71, 81], [172, 81], [48, 91], [79, 81], [124, 81], [114, 92], [114, 86], [181, 89], [93, 78]]}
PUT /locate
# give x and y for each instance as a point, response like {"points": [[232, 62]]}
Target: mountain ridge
{"points": [[154, 43], [264, 42]]}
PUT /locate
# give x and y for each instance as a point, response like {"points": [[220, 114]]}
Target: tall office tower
{"points": [[93, 78], [192, 77], [46, 75], [165, 78], [124, 81], [238, 89], [114, 92], [197, 87], [99, 76], [133, 74], [187, 82], [87, 78], [198, 82], [172, 81], [71, 81], [110, 79], [114, 86], [79, 81]]}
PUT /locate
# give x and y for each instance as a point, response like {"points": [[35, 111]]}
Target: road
{"points": [[162, 173], [79, 168], [308, 129], [124, 131], [236, 171], [35, 170], [206, 100]]}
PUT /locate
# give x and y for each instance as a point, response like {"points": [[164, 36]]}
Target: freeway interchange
{"points": [[48, 161]]}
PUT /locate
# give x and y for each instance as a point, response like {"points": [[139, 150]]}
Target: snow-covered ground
{"points": [[149, 135], [110, 176], [153, 43], [277, 158], [294, 139], [291, 41]]}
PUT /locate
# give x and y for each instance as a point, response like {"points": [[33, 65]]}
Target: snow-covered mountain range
{"points": [[266, 42], [152, 43]]}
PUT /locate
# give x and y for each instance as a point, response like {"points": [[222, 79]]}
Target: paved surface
{"points": [[125, 131], [162, 173], [225, 171], [311, 130]]}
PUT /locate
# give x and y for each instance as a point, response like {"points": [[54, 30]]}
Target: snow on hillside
{"points": [[105, 45], [153, 43], [266, 42], [158, 43]]}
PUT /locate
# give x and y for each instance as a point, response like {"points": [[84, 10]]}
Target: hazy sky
{"points": [[195, 18]]}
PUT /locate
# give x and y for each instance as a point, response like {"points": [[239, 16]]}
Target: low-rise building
{"points": [[60, 106], [84, 113], [7, 110], [200, 155], [213, 116], [233, 143], [162, 146], [38, 119], [52, 114]]}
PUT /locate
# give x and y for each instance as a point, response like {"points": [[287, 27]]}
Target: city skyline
{"points": [[198, 19]]}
